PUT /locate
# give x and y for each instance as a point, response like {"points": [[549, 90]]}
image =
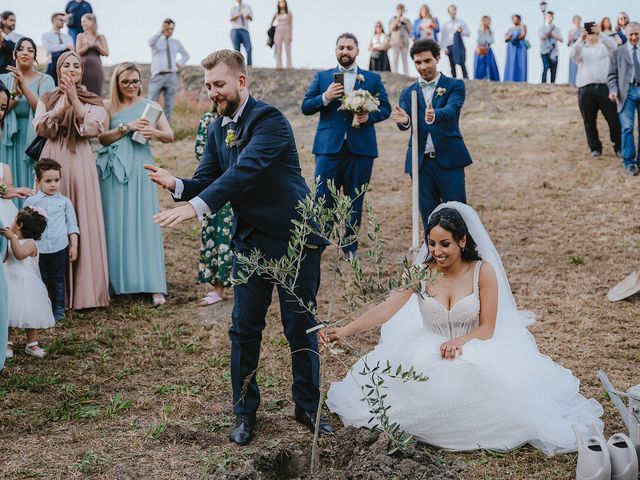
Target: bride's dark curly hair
{"points": [[451, 220]]}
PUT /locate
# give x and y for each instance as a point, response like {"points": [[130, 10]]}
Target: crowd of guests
{"points": [[85, 219]]}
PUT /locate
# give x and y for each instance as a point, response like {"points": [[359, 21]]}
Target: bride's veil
{"points": [[509, 318]]}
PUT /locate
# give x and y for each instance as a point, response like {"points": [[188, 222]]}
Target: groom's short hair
{"points": [[425, 45], [232, 59], [350, 36]]}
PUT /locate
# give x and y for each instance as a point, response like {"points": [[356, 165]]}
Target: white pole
{"points": [[415, 238]]}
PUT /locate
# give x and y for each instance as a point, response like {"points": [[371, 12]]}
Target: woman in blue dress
{"points": [[4, 288], [515, 68], [26, 85], [129, 200], [485, 67], [426, 26]]}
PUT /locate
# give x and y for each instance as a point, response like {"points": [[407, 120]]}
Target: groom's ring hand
{"points": [[175, 216]]}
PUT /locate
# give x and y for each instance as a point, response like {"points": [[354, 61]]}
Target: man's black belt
{"points": [[430, 155]]}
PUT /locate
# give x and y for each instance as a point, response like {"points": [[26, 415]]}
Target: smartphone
{"points": [[588, 26], [338, 78]]}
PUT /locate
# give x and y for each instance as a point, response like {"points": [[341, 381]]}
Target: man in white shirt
{"points": [[454, 51], [8, 26], [165, 65], [592, 54], [56, 43], [624, 88], [549, 35], [240, 15]]}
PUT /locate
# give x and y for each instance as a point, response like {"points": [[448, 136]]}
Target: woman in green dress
{"points": [[4, 287], [129, 200], [215, 251], [26, 85]]}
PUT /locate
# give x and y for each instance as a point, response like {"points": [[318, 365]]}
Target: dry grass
{"points": [[132, 392]]}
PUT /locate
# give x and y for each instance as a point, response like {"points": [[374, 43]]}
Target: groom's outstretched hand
{"points": [[175, 216], [400, 116], [161, 176]]}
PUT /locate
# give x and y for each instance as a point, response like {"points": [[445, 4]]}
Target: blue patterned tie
{"points": [[636, 64]]}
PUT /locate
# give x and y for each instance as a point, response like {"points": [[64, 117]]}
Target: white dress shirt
{"points": [[159, 60], [592, 60], [198, 204], [349, 81], [14, 36], [449, 29], [242, 21], [427, 93], [56, 42]]}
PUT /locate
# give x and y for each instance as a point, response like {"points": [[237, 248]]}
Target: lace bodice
{"points": [[463, 317]]}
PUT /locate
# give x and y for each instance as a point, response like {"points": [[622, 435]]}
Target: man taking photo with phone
{"points": [[345, 154]]}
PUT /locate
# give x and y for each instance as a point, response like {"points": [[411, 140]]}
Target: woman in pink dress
{"points": [[67, 117]]}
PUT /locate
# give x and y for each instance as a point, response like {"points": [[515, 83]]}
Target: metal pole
{"points": [[415, 238]]}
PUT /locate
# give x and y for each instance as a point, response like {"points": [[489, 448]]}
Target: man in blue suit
{"points": [[250, 159], [345, 154], [443, 154]]}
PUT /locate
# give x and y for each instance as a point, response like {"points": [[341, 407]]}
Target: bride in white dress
{"points": [[489, 387]]}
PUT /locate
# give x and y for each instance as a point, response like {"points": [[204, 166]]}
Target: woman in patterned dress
{"points": [[215, 251]]}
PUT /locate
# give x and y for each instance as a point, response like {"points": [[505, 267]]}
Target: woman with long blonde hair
{"points": [[129, 199], [91, 45]]}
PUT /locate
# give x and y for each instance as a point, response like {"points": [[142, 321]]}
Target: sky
{"points": [[202, 25]]}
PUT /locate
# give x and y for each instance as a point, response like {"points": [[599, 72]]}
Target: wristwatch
{"points": [[123, 128]]}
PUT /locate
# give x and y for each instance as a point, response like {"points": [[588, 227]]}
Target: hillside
{"points": [[132, 392]]}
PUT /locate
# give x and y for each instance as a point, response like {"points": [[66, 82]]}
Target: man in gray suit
{"points": [[624, 88]]}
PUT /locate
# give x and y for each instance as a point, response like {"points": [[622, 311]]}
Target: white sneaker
{"points": [[34, 352], [624, 460]]}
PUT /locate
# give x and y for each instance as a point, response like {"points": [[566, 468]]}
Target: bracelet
{"points": [[123, 128]]}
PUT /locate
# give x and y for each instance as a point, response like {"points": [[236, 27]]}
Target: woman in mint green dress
{"points": [[129, 199], [4, 287], [26, 85], [215, 251]]}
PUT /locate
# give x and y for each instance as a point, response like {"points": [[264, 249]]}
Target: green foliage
{"points": [[72, 345], [178, 389], [157, 430], [91, 463], [577, 259], [27, 383], [118, 405]]}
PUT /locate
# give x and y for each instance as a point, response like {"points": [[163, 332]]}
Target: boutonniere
{"points": [[230, 139], [360, 77], [440, 91]]}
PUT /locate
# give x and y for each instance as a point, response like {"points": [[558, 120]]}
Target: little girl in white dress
{"points": [[29, 304]]}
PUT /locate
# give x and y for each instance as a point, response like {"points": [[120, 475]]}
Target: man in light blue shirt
{"points": [[165, 65], [59, 242]]}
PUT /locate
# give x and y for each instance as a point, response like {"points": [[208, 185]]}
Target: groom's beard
{"points": [[228, 106], [346, 61]]}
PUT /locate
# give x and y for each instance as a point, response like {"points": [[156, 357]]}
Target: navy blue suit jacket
{"points": [[260, 176], [335, 123], [451, 152]]}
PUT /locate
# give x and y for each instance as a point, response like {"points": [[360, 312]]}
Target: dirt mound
{"points": [[353, 454]]}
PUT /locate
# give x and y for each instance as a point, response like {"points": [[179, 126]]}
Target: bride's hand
{"points": [[328, 335], [452, 348]]}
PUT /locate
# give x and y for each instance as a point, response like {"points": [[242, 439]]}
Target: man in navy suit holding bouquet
{"points": [[443, 154], [345, 153]]}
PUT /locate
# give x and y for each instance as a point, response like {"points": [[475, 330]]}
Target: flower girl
{"points": [[29, 305]]}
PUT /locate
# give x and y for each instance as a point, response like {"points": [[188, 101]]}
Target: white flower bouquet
{"points": [[359, 101]]}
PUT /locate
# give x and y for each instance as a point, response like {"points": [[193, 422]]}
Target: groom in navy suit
{"points": [[345, 154], [251, 160], [443, 154]]}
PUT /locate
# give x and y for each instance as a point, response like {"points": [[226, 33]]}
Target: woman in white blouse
{"points": [[378, 46]]}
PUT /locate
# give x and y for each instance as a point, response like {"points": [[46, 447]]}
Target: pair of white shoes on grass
{"points": [[598, 459], [28, 349]]}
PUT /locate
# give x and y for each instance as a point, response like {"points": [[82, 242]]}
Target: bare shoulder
{"points": [[487, 275], [107, 105]]}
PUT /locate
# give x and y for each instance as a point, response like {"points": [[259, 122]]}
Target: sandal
{"points": [[9, 350], [34, 352], [210, 299], [157, 299]]}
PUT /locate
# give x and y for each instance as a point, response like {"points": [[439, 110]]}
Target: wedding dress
{"points": [[499, 394]]}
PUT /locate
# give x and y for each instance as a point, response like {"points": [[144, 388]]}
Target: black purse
{"points": [[35, 149], [271, 34]]}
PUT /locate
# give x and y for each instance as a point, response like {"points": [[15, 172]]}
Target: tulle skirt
{"points": [[498, 395], [29, 304]]}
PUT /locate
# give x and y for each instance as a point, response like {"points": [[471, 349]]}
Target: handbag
{"points": [[482, 50], [271, 33], [527, 45], [34, 150]]}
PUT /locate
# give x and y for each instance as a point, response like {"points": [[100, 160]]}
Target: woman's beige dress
{"points": [[88, 278]]}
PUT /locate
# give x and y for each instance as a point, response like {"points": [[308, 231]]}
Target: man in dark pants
{"points": [[443, 154], [251, 160], [592, 53]]}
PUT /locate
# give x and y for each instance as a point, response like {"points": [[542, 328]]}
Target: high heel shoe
{"points": [[593, 457], [624, 460]]}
